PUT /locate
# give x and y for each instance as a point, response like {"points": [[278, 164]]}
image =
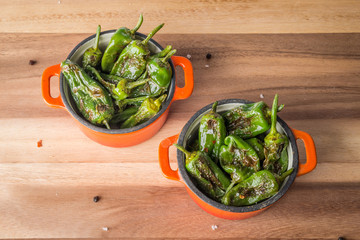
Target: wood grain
{"points": [[215, 16], [47, 192]]}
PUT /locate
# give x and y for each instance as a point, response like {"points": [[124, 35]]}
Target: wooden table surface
{"points": [[306, 51]]}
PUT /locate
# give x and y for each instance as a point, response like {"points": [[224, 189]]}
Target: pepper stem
{"points": [[214, 106], [98, 30], [131, 85], [138, 25], [160, 100], [181, 148], [172, 52], [230, 187], [285, 174], [164, 52], [152, 33], [273, 114], [106, 124]]}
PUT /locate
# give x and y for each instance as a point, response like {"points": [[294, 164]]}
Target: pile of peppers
{"points": [[123, 86], [239, 158]]}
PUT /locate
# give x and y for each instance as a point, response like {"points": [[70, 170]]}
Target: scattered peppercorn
{"points": [[341, 238], [32, 62], [96, 198], [208, 56]]}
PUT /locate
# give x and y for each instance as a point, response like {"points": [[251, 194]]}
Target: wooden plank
{"points": [[247, 16], [307, 211]]}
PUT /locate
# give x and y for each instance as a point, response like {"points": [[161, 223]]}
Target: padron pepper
{"points": [[131, 63], [121, 38], [122, 116], [238, 158], [276, 156], [123, 104], [148, 108], [212, 132], [258, 146], [119, 91], [152, 88], [207, 175], [92, 100], [92, 56], [257, 187], [248, 120]]}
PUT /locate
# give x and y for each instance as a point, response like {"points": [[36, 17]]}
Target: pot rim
{"points": [[263, 204], [87, 124]]}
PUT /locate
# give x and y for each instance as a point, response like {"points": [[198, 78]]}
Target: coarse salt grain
{"points": [[105, 228], [261, 95], [207, 66], [188, 56], [214, 227]]}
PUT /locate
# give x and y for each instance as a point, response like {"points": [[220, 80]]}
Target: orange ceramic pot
{"points": [[116, 137], [218, 209]]}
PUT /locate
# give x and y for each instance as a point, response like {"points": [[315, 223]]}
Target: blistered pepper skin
{"points": [[212, 132], [258, 187], [207, 175], [148, 108], [258, 146], [121, 38], [91, 98], [238, 158], [131, 63], [275, 143], [92, 56]]}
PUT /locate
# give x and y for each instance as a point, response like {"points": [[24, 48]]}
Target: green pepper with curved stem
{"points": [[121, 38], [148, 108], [91, 98], [212, 132], [258, 187], [92, 56], [131, 63], [258, 146], [124, 87], [238, 158], [159, 70], [248, 120], [207, 175], [123, 104], [275, 145]]}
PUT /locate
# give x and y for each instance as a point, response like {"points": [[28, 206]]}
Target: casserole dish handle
{"points": [[45, 87], [310, 150], [164, 158], [186, 91]]}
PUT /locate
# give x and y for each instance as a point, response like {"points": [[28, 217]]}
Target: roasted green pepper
{"points": [[248, 120], [124, 87], [276, 157], [121, 38], [207, 175], [131, 63], [120, 117], [123, 104], [212, 132], [238, 158], [259, 186], [258, 146], [148, 108], [92, 56], [159, 69], [92, 100], [119, 91]]}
